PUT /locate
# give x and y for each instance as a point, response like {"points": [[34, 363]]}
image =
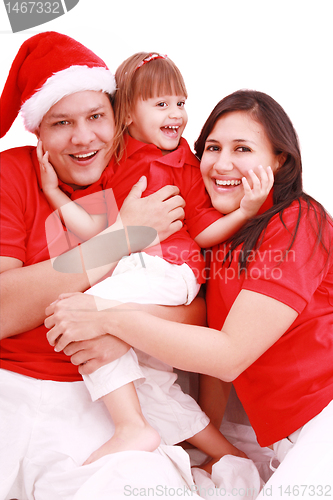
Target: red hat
{"points": [[47, 67]]}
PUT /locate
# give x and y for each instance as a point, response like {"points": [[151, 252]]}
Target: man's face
{"points": [[78, 133]]}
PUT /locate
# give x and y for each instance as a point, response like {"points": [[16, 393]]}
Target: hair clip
{"points": [[151, 57]]}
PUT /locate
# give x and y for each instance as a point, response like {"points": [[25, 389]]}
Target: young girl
{"points": [[150, 119]]}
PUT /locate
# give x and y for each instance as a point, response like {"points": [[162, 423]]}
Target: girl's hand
{"points": [[49, 176], [255, 197]]}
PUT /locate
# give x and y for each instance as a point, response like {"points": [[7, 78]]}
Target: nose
{"points": [[83, 134], [175, 112], [223, 163]]}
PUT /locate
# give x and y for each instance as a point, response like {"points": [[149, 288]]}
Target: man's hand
{"points": [[163, 210], [90, 355]]}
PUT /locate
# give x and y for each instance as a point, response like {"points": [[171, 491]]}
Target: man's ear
{"points": [[37, 134]]}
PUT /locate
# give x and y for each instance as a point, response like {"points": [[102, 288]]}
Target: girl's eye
{"points": [[162, 104], [181, 104]]}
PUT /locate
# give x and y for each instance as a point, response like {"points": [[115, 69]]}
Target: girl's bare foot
{"points": [[128, 437]]}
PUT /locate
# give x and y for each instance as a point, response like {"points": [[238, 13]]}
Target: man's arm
{"points": [[26, 291]]}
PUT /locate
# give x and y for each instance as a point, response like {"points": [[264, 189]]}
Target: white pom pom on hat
{"points": [[48, 67]]}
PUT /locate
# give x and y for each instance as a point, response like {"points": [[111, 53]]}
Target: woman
{"points": [[269, 298]]}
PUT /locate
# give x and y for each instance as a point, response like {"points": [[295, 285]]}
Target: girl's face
{"points": [[236, 144], [158, 120]]}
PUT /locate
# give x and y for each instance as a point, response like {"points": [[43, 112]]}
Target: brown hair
{"points": [[159, 76], [288, 185]]}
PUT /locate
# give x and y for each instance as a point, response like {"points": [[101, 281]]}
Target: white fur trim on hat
{"points": [[61, 84]]}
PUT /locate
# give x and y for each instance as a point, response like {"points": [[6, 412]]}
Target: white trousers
{"points": [[306, 468], [149, 279], [48, 429]]}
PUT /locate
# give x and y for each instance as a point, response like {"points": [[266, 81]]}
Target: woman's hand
{"points": [[75, 317], [254, 197]]}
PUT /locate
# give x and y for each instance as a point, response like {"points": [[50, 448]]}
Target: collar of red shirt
{"points": [[176, 158]]}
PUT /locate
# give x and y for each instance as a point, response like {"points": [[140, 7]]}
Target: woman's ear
{"points": [[129, 120], [282, 159]]}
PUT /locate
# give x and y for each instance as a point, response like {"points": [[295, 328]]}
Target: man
{"points": [[64, 92]]}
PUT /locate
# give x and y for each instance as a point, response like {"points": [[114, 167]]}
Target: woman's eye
{"points": [[212, 148], [96, 116], [243, 149]]}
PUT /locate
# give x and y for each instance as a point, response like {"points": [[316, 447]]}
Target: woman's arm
{"points": [[92, 353], [255, 322], [26, 291]]}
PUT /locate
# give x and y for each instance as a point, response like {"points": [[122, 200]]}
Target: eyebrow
{"points": [[91, 111], [215, 141]]}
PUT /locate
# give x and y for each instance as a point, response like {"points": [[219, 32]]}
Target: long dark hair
{"points": [[288, 186]]}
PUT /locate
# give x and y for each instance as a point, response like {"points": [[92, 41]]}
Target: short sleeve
{"points": [[290, 276]]}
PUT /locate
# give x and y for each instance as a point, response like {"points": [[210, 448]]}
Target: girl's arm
{"points": [[75, 218], [255, 322], [228, 225]]}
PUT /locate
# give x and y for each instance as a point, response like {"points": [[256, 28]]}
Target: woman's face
{"points": [[236, 145]]}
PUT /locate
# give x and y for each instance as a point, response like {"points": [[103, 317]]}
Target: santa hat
{"points": [[47, 67]]}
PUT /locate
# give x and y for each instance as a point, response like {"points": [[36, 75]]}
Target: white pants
{"points": [[146, 279], [48, 429], [306, 468]]}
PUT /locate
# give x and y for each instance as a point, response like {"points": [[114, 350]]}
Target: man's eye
{"points": [[62, 122]]}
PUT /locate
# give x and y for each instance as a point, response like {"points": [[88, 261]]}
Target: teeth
{"points": [[86, 155], [228, 183], [173, 127]]}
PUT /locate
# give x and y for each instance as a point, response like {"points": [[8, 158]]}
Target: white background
{"points": [[283, 48]]}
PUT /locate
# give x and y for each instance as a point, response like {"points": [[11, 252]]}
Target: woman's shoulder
{"points": [[303, 212], [304, 222]]}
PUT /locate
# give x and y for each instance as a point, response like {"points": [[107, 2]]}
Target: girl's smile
{"points": [[158, 120]]}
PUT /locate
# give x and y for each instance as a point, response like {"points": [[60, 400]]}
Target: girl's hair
{"points": [[288, 185], [142, 76]]}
